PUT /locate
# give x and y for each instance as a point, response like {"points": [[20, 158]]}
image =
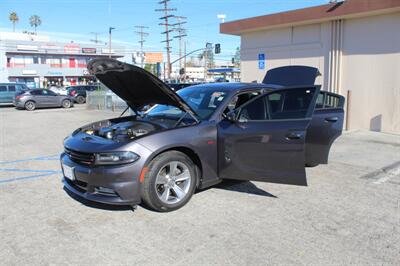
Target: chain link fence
{"points": [[104, 99]]}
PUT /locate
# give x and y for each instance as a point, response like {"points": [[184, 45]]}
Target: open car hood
{"points": [[134, 85], [291, 76]]}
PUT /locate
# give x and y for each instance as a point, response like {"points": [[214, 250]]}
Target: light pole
{"points": [[109, 41]]}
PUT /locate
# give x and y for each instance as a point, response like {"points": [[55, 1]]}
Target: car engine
{"points": [[123, 131]]}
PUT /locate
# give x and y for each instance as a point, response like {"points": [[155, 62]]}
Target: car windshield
{"points": [[203, 101]]}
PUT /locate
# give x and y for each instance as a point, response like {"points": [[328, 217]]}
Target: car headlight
{"points": [[120, 157]]}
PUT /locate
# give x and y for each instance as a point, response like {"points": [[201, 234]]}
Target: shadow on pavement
{"points": [[241, 186], [230, 185]]}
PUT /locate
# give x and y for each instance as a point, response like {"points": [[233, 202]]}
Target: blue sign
{"points": [[261, 61]]}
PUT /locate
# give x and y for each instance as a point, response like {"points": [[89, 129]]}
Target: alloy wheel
{"points": [[173, 182]]}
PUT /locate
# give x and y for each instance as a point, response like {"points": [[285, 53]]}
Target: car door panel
{"points": [[270, 149], [326, 126]]}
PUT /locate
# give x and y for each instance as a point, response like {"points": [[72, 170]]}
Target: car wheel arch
{"points": [[188, 152]]}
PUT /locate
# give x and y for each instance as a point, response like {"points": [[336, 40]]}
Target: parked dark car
{"points": [[38, 98], [79, 92], [8, 91], [199, 136], [178, 86]]}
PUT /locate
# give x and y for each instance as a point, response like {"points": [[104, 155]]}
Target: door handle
{"points": [[294, 135], [331, 119]]}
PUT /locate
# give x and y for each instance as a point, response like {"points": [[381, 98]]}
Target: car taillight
{"points": [[72, 93], [18, 97]]}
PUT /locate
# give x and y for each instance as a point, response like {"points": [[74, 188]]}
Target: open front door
{"points": [[267, 140]]}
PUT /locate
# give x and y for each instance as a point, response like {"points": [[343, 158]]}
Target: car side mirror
{"points": [[232, 115]]}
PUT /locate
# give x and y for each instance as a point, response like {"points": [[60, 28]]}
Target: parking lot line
{"points": [[36, 172], [40, 158], [27, 177]]}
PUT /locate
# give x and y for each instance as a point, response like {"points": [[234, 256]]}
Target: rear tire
{"points": [[66, 104], [80, 99], [170, 181], [30, 105]]}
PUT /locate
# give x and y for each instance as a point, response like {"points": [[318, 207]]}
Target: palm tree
{"points": [[13, 18], [35, 21]]}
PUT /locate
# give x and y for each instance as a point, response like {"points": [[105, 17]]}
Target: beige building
{"points": [[355, 44]]}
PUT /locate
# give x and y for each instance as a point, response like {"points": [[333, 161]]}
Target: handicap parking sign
{"points": [[261, 61]]}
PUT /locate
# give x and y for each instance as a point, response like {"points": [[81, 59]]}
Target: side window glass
{"points": [[11, 88], [36, 92], [275, 101], [253, 111], [239, 100], [51, 93], [320, 101], [331, 101], [290, 104], [3, 88]]}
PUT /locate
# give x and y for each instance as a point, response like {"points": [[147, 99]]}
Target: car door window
{"points": [[3, 88], [36, 92], [50, 93], [256, 110], [284, 104], [11, 88], [290, 104], [239, 100]]}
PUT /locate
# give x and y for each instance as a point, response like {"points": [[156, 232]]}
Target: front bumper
{"points": [[116, 185]]}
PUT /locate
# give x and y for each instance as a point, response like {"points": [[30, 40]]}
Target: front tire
{"points": [[30, 105], [170, 181]]}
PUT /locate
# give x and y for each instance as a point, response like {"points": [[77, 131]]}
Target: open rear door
{"points": [[266, 142], [326, 126]]}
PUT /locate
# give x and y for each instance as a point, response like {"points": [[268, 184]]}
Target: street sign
{"points": [[261, 61]]}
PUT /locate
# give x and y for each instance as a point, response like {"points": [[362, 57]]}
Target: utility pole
{"points": [[181, 33], [142, 35], [96, 39], [109, 41], [166, 16]]}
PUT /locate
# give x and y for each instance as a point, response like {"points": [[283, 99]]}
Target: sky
{"points": [[66, 20]]}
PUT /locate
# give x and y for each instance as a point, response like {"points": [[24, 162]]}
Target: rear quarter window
{"points": [[327, 101]]}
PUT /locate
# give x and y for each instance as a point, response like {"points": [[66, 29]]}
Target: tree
{"points": [[35, 21], [14, 19], [209, 55], [237, 57]]}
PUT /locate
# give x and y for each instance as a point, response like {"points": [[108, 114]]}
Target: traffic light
{"points": [[217, 48]]}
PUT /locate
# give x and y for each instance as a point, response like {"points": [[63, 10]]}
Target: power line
{"points": [[142, 35], [166, 18], [181, 33]]}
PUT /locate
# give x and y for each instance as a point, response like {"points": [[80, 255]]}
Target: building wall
{"points": [[371, 71], [369, 63]]}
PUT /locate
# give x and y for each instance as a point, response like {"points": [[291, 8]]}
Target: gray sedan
{"points": [[30, 100]]}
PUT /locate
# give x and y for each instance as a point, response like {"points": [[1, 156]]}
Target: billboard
{"points": [[153, 57]]}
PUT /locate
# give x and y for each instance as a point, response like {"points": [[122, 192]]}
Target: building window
{"points": [[35, 59]]}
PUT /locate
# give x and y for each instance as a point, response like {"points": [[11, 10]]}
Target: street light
{"points": [[109, 41]]}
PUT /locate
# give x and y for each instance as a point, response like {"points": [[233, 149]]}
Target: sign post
{"points": [[261, 61]]}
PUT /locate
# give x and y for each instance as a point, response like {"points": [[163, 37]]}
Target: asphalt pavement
{"points": [[348, 214]]}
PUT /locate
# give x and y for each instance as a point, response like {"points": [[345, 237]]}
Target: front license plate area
{"points": [[68, 172]]}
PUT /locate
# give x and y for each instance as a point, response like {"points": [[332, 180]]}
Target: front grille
{"points": [[80, 157]]}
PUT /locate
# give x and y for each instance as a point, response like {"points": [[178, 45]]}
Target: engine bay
{"points": [[120, 130]]}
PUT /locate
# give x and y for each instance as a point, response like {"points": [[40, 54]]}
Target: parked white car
{"points": [[59, 90]]}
